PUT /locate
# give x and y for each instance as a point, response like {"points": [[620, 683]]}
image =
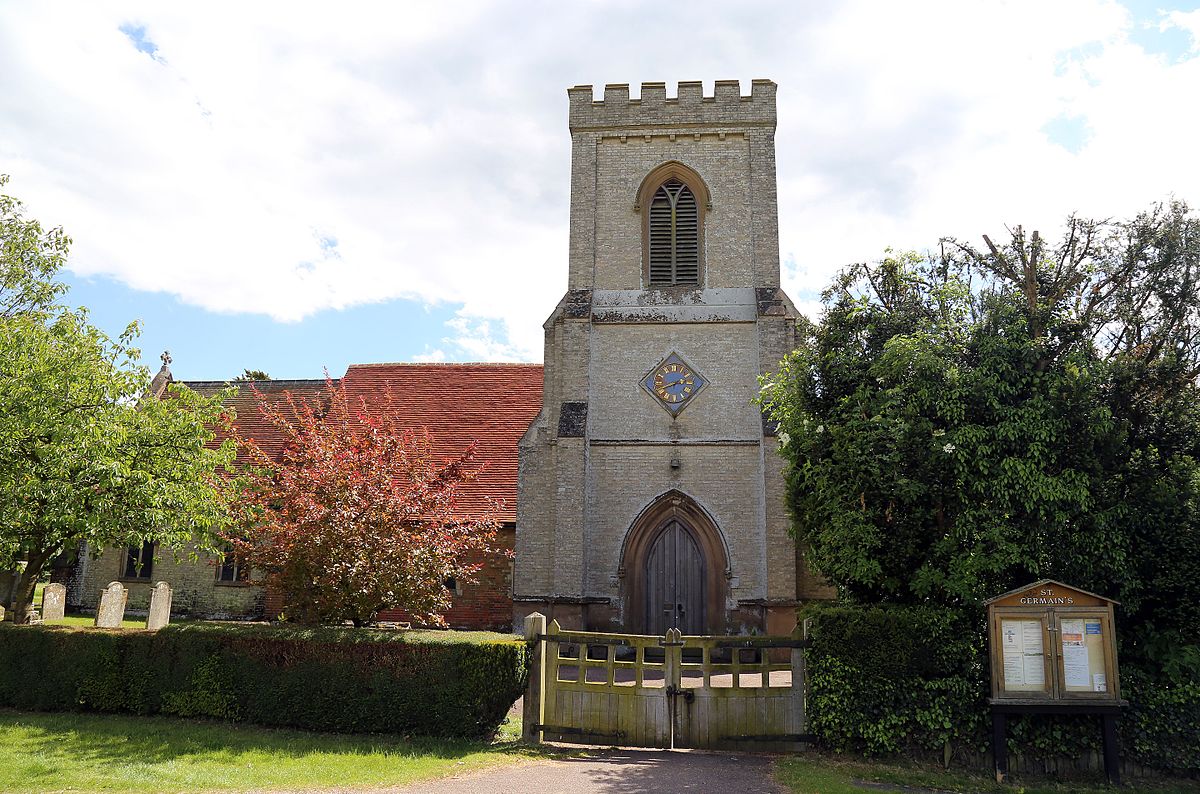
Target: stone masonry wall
{"points": [[196, 590], [580, 493], [729, 139], [486, 604], [722, 161]]}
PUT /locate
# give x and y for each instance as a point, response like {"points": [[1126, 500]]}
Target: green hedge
{"points": [[885, 680], [901, 679], [1162, 728], [452, 684]]}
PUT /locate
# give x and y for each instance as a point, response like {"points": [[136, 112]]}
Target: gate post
{"points": [[533, 712], [672, 675], [799, 683]]}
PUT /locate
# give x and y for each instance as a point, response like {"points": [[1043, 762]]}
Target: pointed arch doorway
{"points": [[674, 581], [674, 568]]}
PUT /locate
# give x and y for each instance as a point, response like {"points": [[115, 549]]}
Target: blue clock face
{"points": [[673, 383]]}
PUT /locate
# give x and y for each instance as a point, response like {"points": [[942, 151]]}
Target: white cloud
{"points": [[475, 340], [435, 356], [430, 142], [1187, 21]]}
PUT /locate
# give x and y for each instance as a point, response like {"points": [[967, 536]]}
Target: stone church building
{"points": [[648, 493]]}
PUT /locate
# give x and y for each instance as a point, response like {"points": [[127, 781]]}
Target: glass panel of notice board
{"points": [[1082, 665], [1023, 654]]}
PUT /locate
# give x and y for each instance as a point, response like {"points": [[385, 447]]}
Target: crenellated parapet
{"points": [[690, 108]]}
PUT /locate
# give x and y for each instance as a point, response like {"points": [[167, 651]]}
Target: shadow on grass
{"points": [[51, 745]]}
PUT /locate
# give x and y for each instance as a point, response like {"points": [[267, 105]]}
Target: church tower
{"points": [[650, 492]]}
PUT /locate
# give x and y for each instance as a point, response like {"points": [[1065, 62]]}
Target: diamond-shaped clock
{"points": [[673, 383]]}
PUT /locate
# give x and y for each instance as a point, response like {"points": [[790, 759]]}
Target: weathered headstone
{"points": [[111, 611], [1, 614], [160, 606], [54, 602], [8, 584]]}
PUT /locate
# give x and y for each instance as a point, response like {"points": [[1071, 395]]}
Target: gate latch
{"points": [[674, 691]]}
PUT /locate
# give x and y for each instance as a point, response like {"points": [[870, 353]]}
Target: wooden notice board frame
{"points": [[1053, 651], [1077, 642]]}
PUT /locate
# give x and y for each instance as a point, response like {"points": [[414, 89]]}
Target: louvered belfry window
{"points": [[674, 235]]}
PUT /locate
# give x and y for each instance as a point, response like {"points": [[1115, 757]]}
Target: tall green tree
{"points": [[83, 457], [958, 423], [251, 375]]}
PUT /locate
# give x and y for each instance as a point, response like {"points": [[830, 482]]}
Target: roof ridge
{"points": [[271, 382], [446, 364]]}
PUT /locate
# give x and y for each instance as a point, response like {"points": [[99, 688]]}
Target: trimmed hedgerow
{"points": [[452, 684], [886, 679], [1163, 722]]}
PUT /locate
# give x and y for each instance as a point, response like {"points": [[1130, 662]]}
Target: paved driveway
{"points": [[623, 771]]}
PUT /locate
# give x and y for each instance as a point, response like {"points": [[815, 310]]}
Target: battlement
{"points": [[726, 108]]}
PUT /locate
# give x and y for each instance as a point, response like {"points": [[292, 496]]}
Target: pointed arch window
{"points": [[674, 200], [674, 235]]}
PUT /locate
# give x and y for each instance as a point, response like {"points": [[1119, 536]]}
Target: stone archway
{"points": [[674, 554]]}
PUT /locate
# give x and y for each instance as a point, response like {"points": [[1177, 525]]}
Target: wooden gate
{"points": [[633, 690]]}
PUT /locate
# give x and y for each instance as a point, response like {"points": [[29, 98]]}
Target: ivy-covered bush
{"points": [[891, 679], [1162, 726], [453, 684], [960, 423]]}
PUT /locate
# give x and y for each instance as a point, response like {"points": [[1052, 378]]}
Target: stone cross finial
{"points": [[166, 357]]}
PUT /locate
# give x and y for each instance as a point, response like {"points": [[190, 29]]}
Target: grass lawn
{"points": [[81, 620], [89, 752], [819, 773], [90, 620]]}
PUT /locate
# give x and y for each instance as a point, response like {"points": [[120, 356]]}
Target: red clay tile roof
{"points": [[250, 421], [490, 404]]}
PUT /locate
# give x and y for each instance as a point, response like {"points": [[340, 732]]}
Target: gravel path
{"points": [[623, 771]]}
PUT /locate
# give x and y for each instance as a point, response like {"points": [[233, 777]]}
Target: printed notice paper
{"points": [[1076, 670], [1021, 647]]}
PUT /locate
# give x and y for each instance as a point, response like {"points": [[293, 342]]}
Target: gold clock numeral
{"points": [[673, 383]]}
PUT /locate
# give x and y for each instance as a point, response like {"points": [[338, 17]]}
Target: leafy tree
{"points": [[30, 256], [83, 459], [356, 515], [956, 424], [251, 375]]}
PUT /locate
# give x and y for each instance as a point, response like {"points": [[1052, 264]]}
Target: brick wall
{"points": [[487, 604]]}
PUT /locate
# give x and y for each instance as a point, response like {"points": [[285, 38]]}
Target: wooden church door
{"points": [[675, 582]]}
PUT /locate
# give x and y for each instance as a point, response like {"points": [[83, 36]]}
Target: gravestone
{"points": [[54, 602], [8, 587], [160, 606], [112, 606], [1, 614]]}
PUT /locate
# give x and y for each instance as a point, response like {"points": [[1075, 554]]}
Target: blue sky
{"points": [[313, 187], [207, 345]]}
